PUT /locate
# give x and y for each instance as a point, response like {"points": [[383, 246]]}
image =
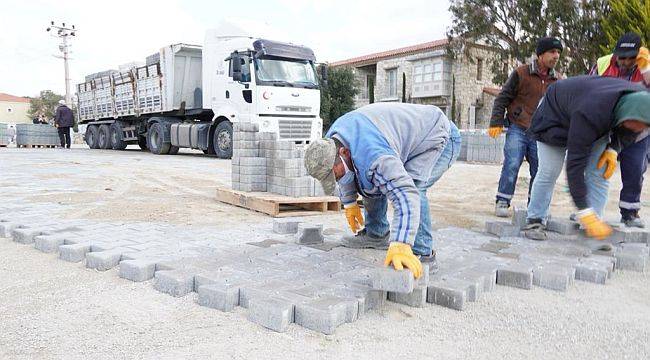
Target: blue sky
{"points": [[120, 31]]}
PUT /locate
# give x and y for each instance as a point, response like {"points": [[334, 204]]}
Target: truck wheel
{"points": [[142, 142], [104, 137], [91, 136], [173, 150], [222, 140], [155, 141], [116, 137]]}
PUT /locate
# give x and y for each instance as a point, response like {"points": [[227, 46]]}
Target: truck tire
{"points": [[155, 142], [142, 142], [173, 150], [116, 137], [222, 140], [104, 137], [91, 136]]}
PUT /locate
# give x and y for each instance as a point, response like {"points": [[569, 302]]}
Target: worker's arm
{"points": [[503, 100], [389, 175], [348, 193]]}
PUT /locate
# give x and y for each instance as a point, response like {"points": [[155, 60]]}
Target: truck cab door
{"points": [[239, 90]]}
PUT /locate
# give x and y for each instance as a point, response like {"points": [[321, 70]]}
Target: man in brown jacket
{"points": [[520, 96]]}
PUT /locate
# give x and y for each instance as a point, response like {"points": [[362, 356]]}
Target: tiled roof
{"points": [[372, 58], [492, 91], [7, 97]]}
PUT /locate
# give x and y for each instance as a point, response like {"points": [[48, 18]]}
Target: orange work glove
{"points": [[608, 157], [495, 131], [594, 227], [401, 256], [354, 217]]}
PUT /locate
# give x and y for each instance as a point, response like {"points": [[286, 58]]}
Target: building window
{"points": [[392, 82], [10, 110], [479, 69]]}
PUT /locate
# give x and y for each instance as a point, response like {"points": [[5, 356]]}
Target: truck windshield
{"points": [[283, 72]]}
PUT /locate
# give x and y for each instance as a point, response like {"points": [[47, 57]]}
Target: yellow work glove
{"points": [[401, 256], [643, 59], [354, 216], [495, 131], [608, 157], [594, 227]]}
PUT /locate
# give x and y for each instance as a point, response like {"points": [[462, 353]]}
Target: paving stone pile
{"points": [[4, 135], [478, 147], [261, 162], [36, 134], [291, 272]]}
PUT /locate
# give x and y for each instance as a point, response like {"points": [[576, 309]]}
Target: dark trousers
{"points": [[633, 165], [64, 136]]}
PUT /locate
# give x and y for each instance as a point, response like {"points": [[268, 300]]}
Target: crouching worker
{"points": [[575, 120], [387, 151]]}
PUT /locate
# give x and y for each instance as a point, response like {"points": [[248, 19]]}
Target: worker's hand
{"points": [[594, 227], [608, 157], [401, 256], [354, 216], [643, 60], [495, 131]]}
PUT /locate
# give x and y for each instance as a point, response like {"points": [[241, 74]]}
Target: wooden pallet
{"points": [[279, 205], [32, 146]]}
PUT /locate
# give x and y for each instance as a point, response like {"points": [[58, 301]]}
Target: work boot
{"points": [[632, 220], [363, 240], [502, 209], [534, 230], [431, 261]]}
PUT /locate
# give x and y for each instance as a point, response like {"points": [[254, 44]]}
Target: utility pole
{"points": [[63, 32]]}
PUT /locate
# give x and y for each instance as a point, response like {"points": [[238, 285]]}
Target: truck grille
{"points": [[295, 129]]}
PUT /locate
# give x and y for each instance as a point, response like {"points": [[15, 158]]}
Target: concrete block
{"points": [[26, 235], [416, 298], [244, 136], [220, 296], [519, 217], [245, 144], [245, 153], [553, 277], [260, 290], [251, 187], [631, 261], [473, 284], [308, 234], [245, 127], [252, 178], [448, 293], [286, 226], [489, 274], [49, 243], [274, 314], [501, 229], [174, 282], [625, 234], [103, 260], [323, 315], [516, 275], [564, 227], [137, 270], [74, 252], [591, 273], [267, 136], [252, 161], [251, 170], [388, 279]]}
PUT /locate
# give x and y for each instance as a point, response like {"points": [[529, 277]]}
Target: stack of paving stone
{"points": [[36, 134], [4, 135], [478, 147], [261, 162]]}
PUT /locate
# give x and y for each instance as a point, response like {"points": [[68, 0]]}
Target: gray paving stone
{"points": [[174, 282], [625, 234], [261, 290], [631, 261], [502, 229], [286, 226], [223, 296], [49, 243], [448, 293], [6, 227], [591, 273], [474, 285], [274, 314], [416, 298], [323, 315], [561, 226], [74, 252], [26, 235], [103, 260], [137, 270], [519, 217], [389, 279], [553, 277], [310, 234], [516, 275]]}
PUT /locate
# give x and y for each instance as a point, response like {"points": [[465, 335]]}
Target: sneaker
{"points": [[502, 209], [431, 261], [534, 230], [633, 221], [363, 240]]}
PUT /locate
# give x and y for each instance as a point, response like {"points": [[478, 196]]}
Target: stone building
{"points": [[425, 74], [13, 109]]}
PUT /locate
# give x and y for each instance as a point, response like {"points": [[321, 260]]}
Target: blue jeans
{"points": [[633, 165], [375, 208], [517, 147], [551, 161]]}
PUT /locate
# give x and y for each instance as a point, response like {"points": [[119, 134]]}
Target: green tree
{"points": [[337, 95], [625, 16], [44, 104]]}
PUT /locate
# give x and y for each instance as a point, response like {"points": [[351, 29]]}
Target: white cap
{"points": [[61, 102]]}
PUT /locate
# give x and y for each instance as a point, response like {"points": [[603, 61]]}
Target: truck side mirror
{"points": [[235, 62], [323, 73]]}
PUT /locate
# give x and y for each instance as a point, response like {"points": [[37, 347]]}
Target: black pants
{"points": [[64, 136]]}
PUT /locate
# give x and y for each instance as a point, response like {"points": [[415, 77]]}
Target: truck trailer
{"points": [[188, 96]]}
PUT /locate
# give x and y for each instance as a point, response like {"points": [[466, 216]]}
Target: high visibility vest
{"points": [[607, 67]]}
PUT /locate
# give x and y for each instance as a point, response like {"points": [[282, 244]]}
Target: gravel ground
{"points": [[54, 309]]}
